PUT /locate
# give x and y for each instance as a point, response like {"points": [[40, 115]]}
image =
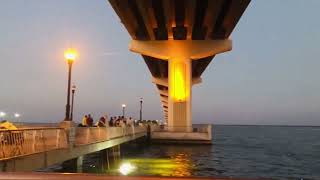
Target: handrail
{"points": [[89, 135], [36, 128], [15, 143], [26, 141]]}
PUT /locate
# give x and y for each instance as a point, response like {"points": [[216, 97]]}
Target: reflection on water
{"points": [[178, 165], [237, 151]]}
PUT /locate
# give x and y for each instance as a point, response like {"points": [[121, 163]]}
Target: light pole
{"points": [[2, 115], [141, 101], [70, 56], [72, 100], [123, 110]]}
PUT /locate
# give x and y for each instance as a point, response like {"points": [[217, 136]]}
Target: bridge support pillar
{"points": [[105, 163], [113, 156], [74, 165], [180, 54]]}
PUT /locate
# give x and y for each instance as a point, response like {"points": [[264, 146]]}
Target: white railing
{"points": [[14, 143], [89, 135]]}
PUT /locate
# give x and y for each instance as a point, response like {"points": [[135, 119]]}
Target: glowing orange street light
{"points": [[70, 55]]}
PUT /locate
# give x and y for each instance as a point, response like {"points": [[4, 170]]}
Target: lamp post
{"points": [[70, 56], [72, 100], [141, 101], [123, 110]]}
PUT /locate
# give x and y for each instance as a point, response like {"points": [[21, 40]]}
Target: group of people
{"points": [[103, 121], [87, 121], [120, 121]]}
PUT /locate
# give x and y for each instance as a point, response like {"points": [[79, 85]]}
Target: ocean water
{"points": [[276, 152]]}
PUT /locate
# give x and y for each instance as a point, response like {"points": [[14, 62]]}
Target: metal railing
{"points": [[14, 143], [89, 135]]}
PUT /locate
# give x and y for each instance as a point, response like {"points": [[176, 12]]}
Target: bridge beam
{"points": [[180, 54], [163, 92], [163, 99], [164, 81]]}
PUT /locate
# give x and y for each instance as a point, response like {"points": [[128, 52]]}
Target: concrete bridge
{"points": [[177, 40]]}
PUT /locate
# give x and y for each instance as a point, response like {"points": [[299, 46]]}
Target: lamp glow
{"points": [[123, 105], [2, 114], [126, 168], [70, 54], [16, 115]]}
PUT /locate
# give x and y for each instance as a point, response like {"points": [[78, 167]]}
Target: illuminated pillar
{"points": [[180, 54], [179, 105]]}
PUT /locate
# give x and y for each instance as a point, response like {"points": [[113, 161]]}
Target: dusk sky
{"points": [[270, 77]]}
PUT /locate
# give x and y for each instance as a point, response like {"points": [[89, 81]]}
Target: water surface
{"points": [[276, 152]]}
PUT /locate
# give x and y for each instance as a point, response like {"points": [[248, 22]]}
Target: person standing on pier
{"points": [[102, 122], [84, 121], [90, 121]]}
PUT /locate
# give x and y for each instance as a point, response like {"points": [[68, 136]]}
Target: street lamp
{"points": [[70, 55], [141, 101], [72, 100], [16, 115], [123, 109], [2, 114]]}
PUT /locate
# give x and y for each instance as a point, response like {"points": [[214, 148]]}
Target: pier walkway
{"points": [[32, 149]]}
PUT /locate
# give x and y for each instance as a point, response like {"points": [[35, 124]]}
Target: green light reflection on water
{"points": [[178, 165]]}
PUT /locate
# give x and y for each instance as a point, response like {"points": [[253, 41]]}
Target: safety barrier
{"points": [[89, 135], [14, 143]]}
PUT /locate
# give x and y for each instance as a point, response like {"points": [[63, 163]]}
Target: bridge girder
{"points": [[178, 20]]}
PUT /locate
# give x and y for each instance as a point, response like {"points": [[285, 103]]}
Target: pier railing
{"points": [[89, 135], [14, 143]]}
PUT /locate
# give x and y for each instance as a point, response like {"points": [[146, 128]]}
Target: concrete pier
{"points": [[197, 134], [42, 148]]}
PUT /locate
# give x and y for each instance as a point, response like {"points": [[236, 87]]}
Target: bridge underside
{"points": [[178, 20]]}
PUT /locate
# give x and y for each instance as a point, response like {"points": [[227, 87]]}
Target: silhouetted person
{"points": [[111, 122], [102, 122], [90, 121]]}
